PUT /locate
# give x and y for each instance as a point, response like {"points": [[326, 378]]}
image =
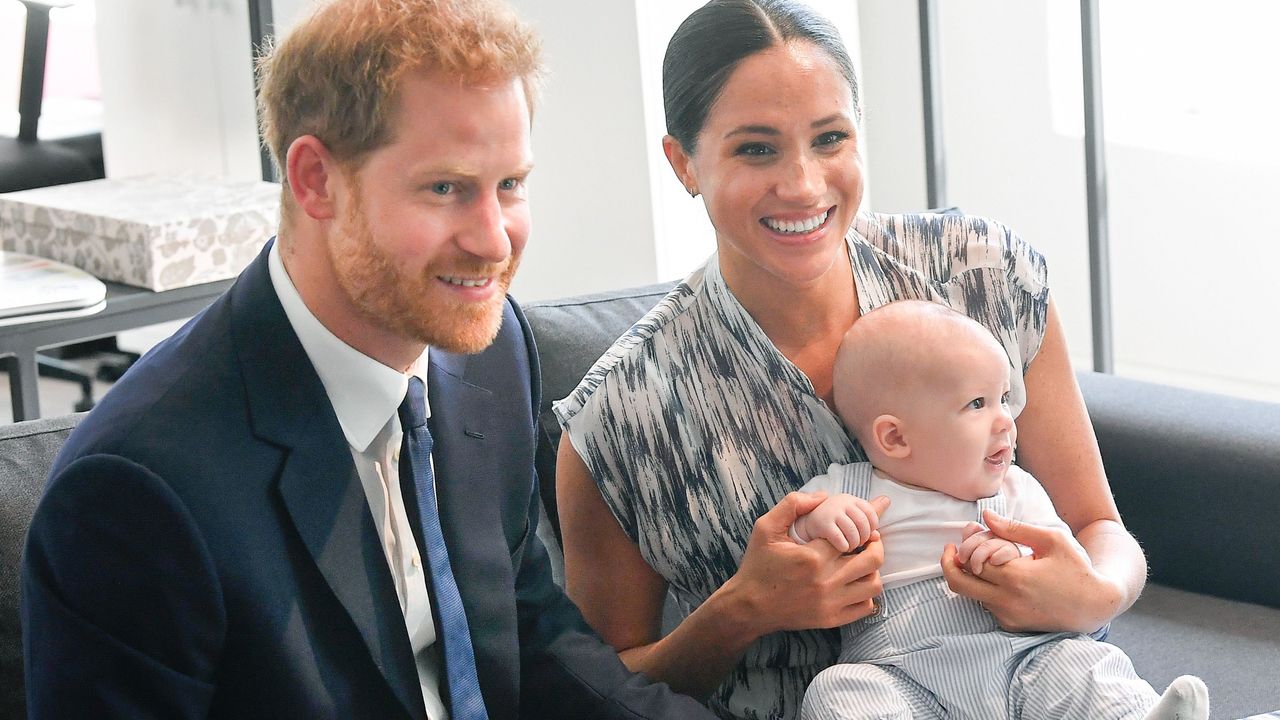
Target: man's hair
{"points": [[337, 74]]}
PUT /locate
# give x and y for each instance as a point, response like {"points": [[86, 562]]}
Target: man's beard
{"points": [[416, 306]]}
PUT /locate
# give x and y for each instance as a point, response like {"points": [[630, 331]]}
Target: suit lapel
{"points": [[459, 413], [469, 492], [459, 425], [318, 484]]}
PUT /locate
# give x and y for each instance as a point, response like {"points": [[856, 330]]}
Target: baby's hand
{"points": [[981, 547], [845, 521]]}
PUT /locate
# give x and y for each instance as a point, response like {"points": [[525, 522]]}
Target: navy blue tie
{"points": [[465, 701]]}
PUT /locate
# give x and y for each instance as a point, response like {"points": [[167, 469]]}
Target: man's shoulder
{"points": [[182, 394]]}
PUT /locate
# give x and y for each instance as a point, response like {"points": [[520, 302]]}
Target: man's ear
{"points": [[888, 433], [312, 174], [680, 163]]}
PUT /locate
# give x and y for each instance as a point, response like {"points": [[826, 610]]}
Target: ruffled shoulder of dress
{"points": [[943, 245]]}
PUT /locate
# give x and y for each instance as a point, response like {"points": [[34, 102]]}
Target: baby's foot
{"points": [[1186, 698]]}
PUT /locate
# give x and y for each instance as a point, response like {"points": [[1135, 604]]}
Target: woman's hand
{"points": [[981, 546], [779, 585], [782, 585], [1054, 589]]}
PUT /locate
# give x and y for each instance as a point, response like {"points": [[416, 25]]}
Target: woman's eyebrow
{"points": [[770, 130], [753, 130]]}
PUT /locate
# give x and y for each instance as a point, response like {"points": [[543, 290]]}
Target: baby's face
{"points": [[959, 426]]}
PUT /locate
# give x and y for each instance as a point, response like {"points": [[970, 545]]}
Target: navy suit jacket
{"points": [[204, 547]]}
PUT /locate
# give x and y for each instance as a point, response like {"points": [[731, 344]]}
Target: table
{"points": [[127, 308]]}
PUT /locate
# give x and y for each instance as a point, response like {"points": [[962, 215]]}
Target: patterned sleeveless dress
{"points": [[693, 424]]}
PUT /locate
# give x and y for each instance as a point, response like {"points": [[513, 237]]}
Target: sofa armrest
{"points": [[1196, 476]]}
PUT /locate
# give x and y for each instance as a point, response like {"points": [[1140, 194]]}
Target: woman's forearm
{"points": [[1116, 557], [699, 654], [622, 597]]}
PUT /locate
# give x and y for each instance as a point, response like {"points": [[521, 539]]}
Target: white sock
{"points": [[1186, 698]]}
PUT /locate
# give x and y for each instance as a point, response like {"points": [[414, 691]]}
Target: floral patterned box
{"points": [[157, 232]]}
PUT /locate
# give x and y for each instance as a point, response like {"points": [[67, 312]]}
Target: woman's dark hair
{"points": [[709, 44]]}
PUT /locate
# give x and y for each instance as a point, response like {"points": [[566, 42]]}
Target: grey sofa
{"points": [[26, 452], [1197, 477]]}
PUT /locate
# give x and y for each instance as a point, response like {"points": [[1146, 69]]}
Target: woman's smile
{"points": [[799, 229]]}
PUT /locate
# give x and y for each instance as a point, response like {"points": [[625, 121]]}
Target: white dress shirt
{"points": [[366, 396]]}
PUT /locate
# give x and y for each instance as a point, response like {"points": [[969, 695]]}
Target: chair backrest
{"points": [[27, 450], [26, 162]]}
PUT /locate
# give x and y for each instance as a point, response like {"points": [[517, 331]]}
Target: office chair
{"points": [[28, 162]]}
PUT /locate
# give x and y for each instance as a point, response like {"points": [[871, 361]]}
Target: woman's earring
{"points": [[692, 192]]}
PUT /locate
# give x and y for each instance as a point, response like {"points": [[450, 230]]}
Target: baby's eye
{"points": [[977, 403], [1004, 399]]}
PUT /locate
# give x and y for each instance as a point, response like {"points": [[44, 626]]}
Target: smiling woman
{"points": [[778, 167], [683, 445]]}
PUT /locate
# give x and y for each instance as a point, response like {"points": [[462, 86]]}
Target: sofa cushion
{"points": [[1233, 646], [27, 450]]}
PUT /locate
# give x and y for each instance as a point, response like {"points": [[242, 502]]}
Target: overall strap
{"points": [[996, 503]]}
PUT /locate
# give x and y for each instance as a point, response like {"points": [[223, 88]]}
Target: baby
{"points": [[925, 391]]}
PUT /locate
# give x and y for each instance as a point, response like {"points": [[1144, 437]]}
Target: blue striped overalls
{"points": [[930, 653]]}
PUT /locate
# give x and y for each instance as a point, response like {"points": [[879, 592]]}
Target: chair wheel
{"points": [[84, 405]]}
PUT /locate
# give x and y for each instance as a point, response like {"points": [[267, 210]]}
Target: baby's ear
{"points": [[888, 434]]}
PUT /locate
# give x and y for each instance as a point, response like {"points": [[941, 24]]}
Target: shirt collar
{"points": [[365, 394]]}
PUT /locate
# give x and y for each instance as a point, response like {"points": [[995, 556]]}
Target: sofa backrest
{"points": [[1196, 476], [27, 450]]}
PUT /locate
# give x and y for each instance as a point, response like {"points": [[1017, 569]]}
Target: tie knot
{"points": [[413, 409]]}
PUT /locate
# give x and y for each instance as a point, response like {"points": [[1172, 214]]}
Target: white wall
{"points": [[592, 225], [607, 209], [177, 87], [1190, 255], [683, 235], [1002, 159]]}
